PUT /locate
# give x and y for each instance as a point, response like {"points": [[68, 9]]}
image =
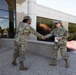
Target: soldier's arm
{"points": [[50, 34], [33, 31], [65, 35]]}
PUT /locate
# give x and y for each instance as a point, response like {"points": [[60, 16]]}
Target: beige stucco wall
{"points": [[20, 17], [65, 24]]}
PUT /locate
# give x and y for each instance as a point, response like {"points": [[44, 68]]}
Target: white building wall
{"points": [[21, 11], [65, 24], [30, 7], [20, 17], [54, 14], [22, 8], [32, 11]]}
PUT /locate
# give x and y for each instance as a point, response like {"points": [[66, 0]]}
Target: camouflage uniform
{"points": [[61, 44], [20, 40]]}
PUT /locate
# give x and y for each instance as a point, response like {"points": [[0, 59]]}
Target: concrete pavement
{"points": [[38, 65]]}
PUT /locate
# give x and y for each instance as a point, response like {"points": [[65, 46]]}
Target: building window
{"points": [[4, 26], [44, 27], [72, 31], [3, 6], [7, 18], [4, 14]]}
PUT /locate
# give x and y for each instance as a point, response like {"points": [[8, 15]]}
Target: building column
{"points": [[32, 11], [65, 24], [32, 4]]}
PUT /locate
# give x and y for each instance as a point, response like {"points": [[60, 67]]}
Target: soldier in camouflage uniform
{"points": [[20, 41], [60, 35]]}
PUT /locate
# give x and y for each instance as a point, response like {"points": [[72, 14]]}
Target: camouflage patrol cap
{"points": [[27, 18], [58, 21]]}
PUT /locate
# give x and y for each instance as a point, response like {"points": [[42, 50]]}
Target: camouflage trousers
{"points": [[19, 51], [62, 48]]}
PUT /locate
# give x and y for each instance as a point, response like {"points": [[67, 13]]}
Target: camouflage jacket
{"points": [[61, 32], [23, 32]]}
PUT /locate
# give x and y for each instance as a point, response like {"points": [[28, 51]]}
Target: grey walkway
{"points": [[38, 65]]}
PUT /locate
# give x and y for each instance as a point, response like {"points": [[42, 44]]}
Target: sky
{"points": [[67, 6]]}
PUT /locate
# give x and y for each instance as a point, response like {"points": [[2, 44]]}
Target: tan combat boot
{"points": [[67, 63], [22, 67], [54, 63], [14, 62]]}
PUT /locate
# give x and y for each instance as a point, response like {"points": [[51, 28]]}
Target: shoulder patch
{"points": [[21, 24]]}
